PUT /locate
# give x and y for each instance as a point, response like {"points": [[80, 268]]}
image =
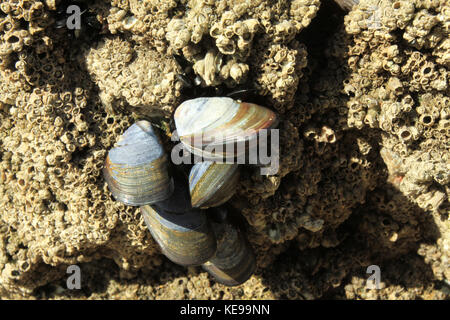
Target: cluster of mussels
{"points": [[185, 216]]}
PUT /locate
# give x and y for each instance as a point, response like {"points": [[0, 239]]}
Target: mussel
{"points": [[234, 261], [347, 4], [186, 239], [217, 127], [180, 200], [212, 184], [136, 169]]}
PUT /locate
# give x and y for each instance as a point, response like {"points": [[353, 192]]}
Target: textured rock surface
{"points": [[364, 168]]}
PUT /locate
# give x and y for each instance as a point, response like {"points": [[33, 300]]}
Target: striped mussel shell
{"points": [[215, 127], [186, 239], [212, 183], [347, 4], [234, 261], [136, 169]]}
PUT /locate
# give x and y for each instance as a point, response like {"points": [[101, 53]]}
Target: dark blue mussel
{"points": [[180, 200], [234, 261]]}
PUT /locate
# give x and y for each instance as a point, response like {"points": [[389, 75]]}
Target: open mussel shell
{"points": [[186, 239], [212, 183], [136, 168], [234, 261], [180, 200], [219, 127]]}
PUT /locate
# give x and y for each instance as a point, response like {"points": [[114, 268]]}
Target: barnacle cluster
{"points": [[54, 134], [53, 149], [364, 143], [402, 89]]}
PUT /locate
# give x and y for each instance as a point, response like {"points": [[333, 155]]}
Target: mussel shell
{"points": [[186, 239], [136, 169], [208, 126], [212, 184], [180, 200], [347, 4], [234, 261]]}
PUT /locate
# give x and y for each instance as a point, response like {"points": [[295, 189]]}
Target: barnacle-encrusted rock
{"points": [[407, 95], [133, 76], [363, 175], [399, 85]]}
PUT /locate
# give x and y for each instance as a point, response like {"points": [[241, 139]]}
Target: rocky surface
{"points": [[364, 143]]}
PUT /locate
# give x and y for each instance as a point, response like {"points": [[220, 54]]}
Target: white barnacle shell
{"points": [[212, 184], [129, 22]]}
